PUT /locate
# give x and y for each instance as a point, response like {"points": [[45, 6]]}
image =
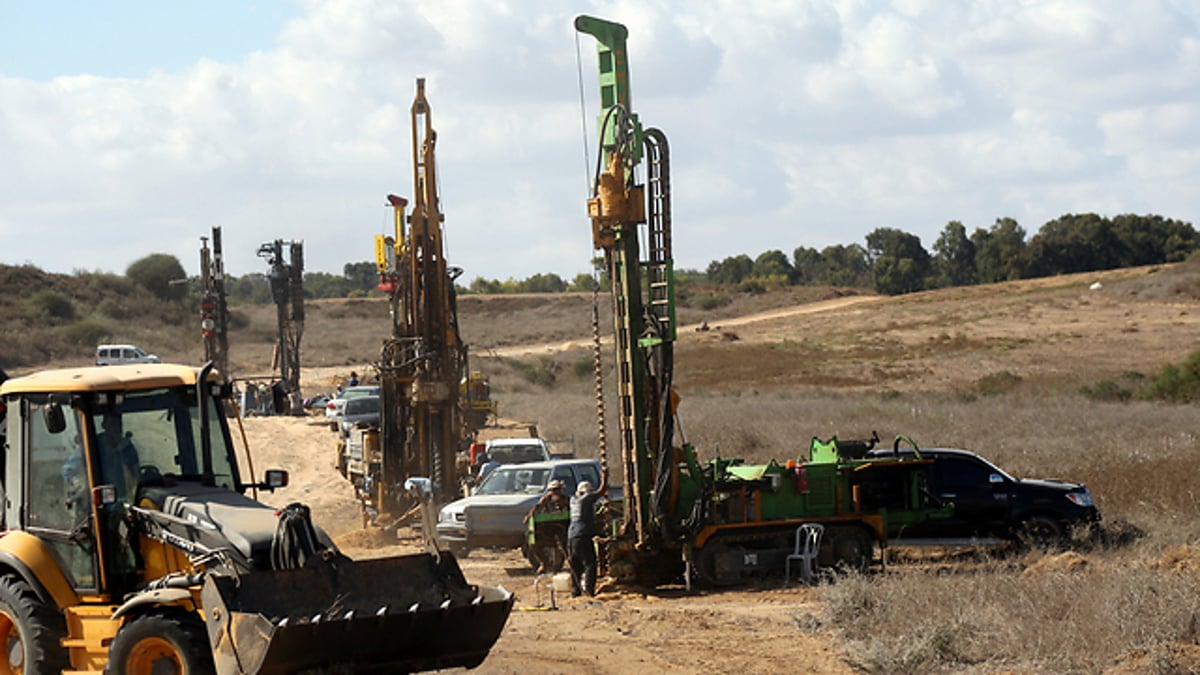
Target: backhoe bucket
{"points": [[402, 614]]}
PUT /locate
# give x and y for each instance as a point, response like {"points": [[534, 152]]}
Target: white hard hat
{"points": [[584, 488]]}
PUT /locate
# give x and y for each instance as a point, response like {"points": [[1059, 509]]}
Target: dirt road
{"points": [[771, 629]]}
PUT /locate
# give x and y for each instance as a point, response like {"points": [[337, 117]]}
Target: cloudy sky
{"points": [[129, 128]]}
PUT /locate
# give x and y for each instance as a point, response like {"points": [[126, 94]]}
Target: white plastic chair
{"points": [[808, 542]]}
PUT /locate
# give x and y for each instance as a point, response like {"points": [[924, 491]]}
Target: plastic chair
{"points": [[808, 542]]}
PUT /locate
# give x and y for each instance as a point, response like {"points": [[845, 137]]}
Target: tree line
{"points": [[890, 261], [893, 262]]}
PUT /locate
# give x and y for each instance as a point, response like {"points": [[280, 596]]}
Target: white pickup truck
{"points": [[517, 450], [494, 515]]}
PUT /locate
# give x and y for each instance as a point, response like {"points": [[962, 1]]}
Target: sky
{"points": [[134, 127]]}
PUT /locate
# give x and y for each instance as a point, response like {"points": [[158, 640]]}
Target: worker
{"points": [[353, 379], [580, 548], [486, 465], [554, 500], [119, 465]]}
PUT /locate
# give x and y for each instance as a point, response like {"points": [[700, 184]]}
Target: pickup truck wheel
{"points": [[1041, 533]]}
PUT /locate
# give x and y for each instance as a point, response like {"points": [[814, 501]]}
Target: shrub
{"points": [[1106, 390], [50, 306], [88, 332], [1178, 383], [752, 287], [543, 373], [113, 309], [238, 320], [997, 383], [711, 301], [583, 368]]}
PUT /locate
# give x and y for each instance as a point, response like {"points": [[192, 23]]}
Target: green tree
{"points": [[363, 276], [161, 274], [999, 251], [846, 265], [772, 264], [325, 285], [730, 271], [899, 264], [543, 283], [583, 282], [808, 266], [251, 288], [484, 286], [954, 256]]}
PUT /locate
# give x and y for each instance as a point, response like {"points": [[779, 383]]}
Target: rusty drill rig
{"points": [[424, 360]]}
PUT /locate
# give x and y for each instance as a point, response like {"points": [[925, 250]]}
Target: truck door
{"points": [[58, 504], [980, 507]]}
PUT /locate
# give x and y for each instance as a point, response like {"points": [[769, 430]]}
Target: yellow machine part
{"points": [[89, 618]]}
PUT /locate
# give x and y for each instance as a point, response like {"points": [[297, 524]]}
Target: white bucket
{"points": [[562, 582]]}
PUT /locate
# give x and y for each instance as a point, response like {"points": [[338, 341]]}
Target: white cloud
{"points": [[791, 123]]}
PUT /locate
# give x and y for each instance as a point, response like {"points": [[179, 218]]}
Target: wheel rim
{"points": [[154, 656], [14, 647]]}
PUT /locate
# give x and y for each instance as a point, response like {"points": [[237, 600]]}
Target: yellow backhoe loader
{"points": [[130, 545]]}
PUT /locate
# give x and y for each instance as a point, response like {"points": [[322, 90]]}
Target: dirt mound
{"points": [[1068, 562]]}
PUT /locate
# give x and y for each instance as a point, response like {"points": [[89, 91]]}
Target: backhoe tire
{"points": [[31, 631], [163, 642]]}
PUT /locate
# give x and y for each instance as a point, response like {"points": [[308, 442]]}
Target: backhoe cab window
{"points": [[60, 505], [154, 434]]}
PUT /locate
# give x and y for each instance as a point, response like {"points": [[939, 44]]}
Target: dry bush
{"points": [[1056, 621]]}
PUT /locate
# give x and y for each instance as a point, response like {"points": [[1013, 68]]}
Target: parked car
{"points": [[333, 409], [517, 450], [494, 515], [115, 355], [360, 411], [317, 401], [992, 506]]}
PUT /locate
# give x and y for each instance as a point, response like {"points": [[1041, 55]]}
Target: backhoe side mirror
{"points": [[54, 418]]}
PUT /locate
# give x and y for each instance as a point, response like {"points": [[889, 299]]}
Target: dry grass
{"points": [[994, 369], [1132, 607], [997, 618]]}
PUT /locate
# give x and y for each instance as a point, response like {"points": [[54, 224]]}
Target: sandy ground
{"points": [[672, 630]]}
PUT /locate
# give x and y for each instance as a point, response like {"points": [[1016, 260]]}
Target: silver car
{"points": [[337, 405], [494, 515]]}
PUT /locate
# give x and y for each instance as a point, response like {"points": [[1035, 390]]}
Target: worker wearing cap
{"points": [[555, 499], [580, 548]]}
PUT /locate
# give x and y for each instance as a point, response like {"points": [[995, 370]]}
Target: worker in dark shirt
{"points": [[580, 547]]}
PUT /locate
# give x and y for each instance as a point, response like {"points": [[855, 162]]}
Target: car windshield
{"points": [[516, 454], [515, 480], [356, 393]]}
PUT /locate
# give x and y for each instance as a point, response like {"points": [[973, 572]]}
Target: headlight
{"points": [[1083, 499], [445, 517]]}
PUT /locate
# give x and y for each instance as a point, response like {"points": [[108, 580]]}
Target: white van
{"points": [[115, 355]]}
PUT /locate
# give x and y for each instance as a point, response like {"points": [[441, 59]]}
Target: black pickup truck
{"points": [[991, 506]]}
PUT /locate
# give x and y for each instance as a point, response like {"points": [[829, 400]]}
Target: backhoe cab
{"points": [[130, 546]]}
